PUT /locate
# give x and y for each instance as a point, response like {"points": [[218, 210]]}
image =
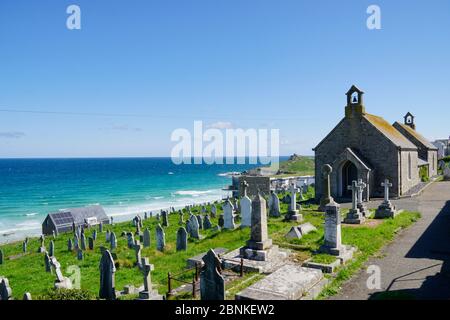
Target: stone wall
{"points": [[255, 183]]}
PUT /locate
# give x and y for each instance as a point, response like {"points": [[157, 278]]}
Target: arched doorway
{"points": [[349, 174]]}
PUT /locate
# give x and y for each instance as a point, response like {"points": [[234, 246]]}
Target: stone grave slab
{"points": [[191, 262]]}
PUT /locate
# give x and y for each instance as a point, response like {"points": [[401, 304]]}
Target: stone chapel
{"points": [[365, 146]]}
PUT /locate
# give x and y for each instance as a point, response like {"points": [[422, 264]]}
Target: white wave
{"points": [[192, 192], [31, 214]]}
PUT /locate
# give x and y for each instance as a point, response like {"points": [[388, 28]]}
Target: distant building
{"points": [[62, 221], [443, 147], [364, 146]]}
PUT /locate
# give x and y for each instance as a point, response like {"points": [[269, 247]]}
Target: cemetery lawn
{"points": [[26, 272]]}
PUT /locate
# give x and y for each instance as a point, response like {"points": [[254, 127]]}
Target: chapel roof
{"points": [[416, 135]]}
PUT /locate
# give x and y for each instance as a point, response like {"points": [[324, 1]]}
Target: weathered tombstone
{"points": [[74, 228], [200, 221], [61, 282], [193, 227], [160, 238], [27, 296], [203, 209], [48, 267], [24, 246], [80, 254], [146, 239], [246, 208], [165, 219], [91, 243], [2, 256], [447, 173], [94, 235], [354, 216], [259, 247], [386, 208], [69, 245], [148, 293], [5, 289], [54, 233], [212, 283], [207, 223], [326, 197], [42, 244], [158, 217], [138, 229], [137, 252], [221, 221], [181, 218], [113, 241], [360, 203], [293, 214], [107, 235], [100, 227], [299, 231], [130, 240], [107, 279], [213, 211], [76, 242], [83, 242], [228, 215], [274, 208], [51, 249], [112, 221], [182, 239]]}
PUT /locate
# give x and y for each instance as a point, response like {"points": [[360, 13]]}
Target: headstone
{"points": [[148, 293], [447, 173], [193, 227], [293, 214], [299, 231], [332, 233], [107, 235], [2, 256], [51, 249], [42, 244], [83, 242], [5, 289], [212, 283], [246, 207], [94, 235], [24, 247], [113, 241], [100, 227], [138, 229], [200, 221], [354, 216], [137, 252], [207, 223], [228, 215], [182, 239], [160, 238], [48, 267], [360, 204], [145, 215], [213, 211], [181, 218], [326, 197], [130, 240], [54, 233], [146, 239], [69, 245], [112, 221], [221, 221], [61, 282], [259, 246], [107, 279], [80, 254], [274, 208], [76, 242], [27, 296], [91, 243], [386, 208]]}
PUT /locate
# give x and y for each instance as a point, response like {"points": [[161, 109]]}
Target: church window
{"points": [[409, 166]]}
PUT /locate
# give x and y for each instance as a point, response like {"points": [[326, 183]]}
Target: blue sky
{"points": [[137, 70]]}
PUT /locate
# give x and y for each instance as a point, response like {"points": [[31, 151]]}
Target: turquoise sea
{"points": [[31, 188]]}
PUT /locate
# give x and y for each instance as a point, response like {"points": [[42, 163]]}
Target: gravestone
{"points": [[80, 255], [83, 242], [447, 173], [107, 235], [113, 241], [293, 214], [259, 247], [51, 249], [299, 231], [48, 267], [146, 239], [54, 233], [112, 221], [94, 234], [138, 229], [228, 215], [360, 204], [2, 256], [386, 208], [213, 211], [100, 227], [69, 245], [182, 239], [5, 289], [145, 215], [207, 223], [193, 227], [354, 216], [326, 197], [200, 221], [221, 221], [91, 243], [148, 293], [130, 240], [274, 208], [76, 242], [42, 244], [61, 282], [107, 277], [160, 238], [246, 207], [27, 296], [212, 283], [137, 253], [24, 246]]}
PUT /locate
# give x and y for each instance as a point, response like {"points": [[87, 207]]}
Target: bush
{"points": [[423, 173], [65, 294]]}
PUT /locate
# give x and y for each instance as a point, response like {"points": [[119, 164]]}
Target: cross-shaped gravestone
{"points": [[326, 187], [354, 216], [361, 186], [146, 270], [293, 190], [386, 184], [386, 208], [137, 251], [354, 188]]}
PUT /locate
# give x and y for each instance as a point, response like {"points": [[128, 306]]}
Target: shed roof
{"points": [[78, 215]]}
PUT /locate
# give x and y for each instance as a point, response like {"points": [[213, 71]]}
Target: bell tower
{"points": [[355, 105], [409, 120]]}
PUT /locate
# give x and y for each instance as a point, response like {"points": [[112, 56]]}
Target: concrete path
{"points": [[417, 263]]}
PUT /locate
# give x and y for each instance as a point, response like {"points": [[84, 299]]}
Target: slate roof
{"points": [[389, 132], [78, 215], [427, 144]]}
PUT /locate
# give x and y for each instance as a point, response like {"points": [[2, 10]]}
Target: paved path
{"points": [[417, 264]]}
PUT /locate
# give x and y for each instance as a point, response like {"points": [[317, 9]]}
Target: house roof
{"points": [[389, 131], [78, 215], [417, 136]]}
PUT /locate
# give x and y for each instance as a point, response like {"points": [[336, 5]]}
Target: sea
{"points": [[32, 188]]}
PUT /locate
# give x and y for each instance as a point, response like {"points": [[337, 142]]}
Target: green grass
{"points": [[323, 258], [27, 273]]}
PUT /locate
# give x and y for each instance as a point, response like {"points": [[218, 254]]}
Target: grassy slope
{"points": [[28, 272], [302, 166]]}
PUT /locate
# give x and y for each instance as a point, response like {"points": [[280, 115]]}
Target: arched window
{"points": [[409, 166], [434, 168]]}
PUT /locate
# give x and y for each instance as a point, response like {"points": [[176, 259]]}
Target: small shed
{"points": [[63, 220]]}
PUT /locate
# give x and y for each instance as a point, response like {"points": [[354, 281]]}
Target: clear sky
{"points": [[137, 70]]}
